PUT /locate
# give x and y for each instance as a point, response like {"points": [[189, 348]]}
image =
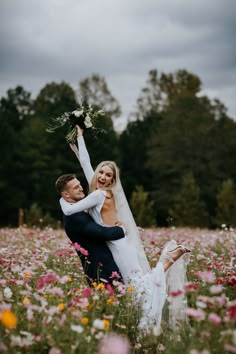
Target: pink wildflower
{"points": [[54, 351], [209, 277], [176, 293], [216, 289], [80, 249], [115, 275], [190, 286], [46, 279], [64, 253], [87, 292], [114, 344], [232, 311], [214, 318], [230, 348], [231, 281], [198, 314], [110, 289]]}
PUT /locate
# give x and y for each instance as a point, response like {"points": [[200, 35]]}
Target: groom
{"points": [[98, 264]]}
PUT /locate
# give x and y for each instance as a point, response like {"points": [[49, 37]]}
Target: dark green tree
{"points": [[226, 204], [162, 89], [142, 208], [187, 141], [15, 111], [133, 147], [189, 209]]}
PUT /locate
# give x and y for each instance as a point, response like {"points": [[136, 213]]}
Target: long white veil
{"points": [[125, 215]]}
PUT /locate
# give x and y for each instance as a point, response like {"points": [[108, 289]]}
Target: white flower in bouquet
{"points": [[87, 122], [78, 113]]}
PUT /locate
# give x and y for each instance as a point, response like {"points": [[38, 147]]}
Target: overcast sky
{"points": [[121, 40]]}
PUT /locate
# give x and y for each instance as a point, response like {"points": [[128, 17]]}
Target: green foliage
{"points": [[162, 90], [142, 208], [34, 216], [189, 209], [133, 146], [96, 91], [226, 204]]}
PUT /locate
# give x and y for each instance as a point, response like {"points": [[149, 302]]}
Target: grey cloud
{"points": [[68, 40]]}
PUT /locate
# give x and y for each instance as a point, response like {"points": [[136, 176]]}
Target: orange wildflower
{"points": [[8, 319], [106, 325], [84, 320], [130, 288]]}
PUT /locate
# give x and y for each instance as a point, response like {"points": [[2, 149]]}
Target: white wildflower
{"points": [[7, 293], [98, 324], [99, 335], [77, 328]]}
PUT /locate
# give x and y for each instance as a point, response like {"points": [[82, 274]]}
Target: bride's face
{"points": [[104, 177]]}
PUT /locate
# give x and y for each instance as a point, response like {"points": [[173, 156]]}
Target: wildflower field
{"points": [[46, 305]]}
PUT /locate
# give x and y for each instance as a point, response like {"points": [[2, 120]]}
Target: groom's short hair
{"points": [[62, 181]]}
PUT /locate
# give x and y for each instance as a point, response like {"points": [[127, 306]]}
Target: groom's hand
{"points": [[121, 224]]}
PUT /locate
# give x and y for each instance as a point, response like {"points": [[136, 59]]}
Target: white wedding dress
{"points": [[150, 285]]}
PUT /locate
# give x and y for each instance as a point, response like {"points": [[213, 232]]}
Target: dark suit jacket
{"points": [[99, 264]]}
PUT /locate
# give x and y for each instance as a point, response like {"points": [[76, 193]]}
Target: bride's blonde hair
{"points": [[115, 178]]}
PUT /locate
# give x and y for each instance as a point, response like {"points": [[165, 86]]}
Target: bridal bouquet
{"points": [[85, 116]]}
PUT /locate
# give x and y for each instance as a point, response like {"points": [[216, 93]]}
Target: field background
{"points": [[47, 307]]}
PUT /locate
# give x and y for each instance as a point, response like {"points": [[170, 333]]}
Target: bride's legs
{"points": [[172, 256]]}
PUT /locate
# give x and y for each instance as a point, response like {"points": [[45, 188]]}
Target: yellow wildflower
{"points": [[61, 307], [109, 301], [84, 320], [100, 286], [69, 279], [26, 301], [130, 288], [8, 319]]}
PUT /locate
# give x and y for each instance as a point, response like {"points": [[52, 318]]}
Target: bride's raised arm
{"points": [[83, 155]]}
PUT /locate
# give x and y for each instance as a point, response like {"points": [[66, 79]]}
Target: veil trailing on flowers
{"points": [[176, 274], [124, 214]]}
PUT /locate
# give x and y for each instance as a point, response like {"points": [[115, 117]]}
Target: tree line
{"points": [[176, 155]]}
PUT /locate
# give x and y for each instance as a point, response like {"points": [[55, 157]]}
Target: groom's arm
{"points": [[95, 231], [84, 225]]}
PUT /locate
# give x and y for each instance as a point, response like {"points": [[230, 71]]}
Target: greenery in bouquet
{"points": [[84, 115]]}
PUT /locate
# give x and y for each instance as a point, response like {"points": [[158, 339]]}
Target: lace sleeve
{"points": [[85, 159], [90, 201]]}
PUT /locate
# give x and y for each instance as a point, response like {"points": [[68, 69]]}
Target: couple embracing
{"points": [[103, 225]]}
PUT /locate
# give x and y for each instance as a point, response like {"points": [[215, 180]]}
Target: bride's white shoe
{"points": [[173, 259]]}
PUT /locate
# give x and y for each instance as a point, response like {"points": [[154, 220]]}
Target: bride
{"points": [[107, 205]]}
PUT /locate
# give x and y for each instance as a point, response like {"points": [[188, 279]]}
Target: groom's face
{"points": [[73, 191]]}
